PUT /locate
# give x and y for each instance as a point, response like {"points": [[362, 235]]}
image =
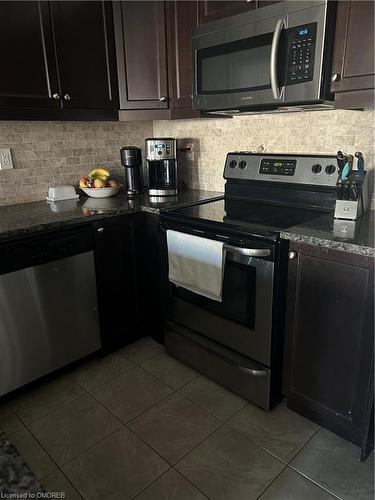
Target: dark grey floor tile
{"points": [[141, 350], [32, 453], [98, 371], [9, 422], [171, 486], [169, 370], [334, 463], [280, 431], [74, 427], [213, 397], [58, 483], [117, 468], [174, 426], [292, 486], [228, 466], [131, 394], [41, 400]]}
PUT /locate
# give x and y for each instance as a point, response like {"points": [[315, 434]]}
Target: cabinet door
{"points": [[211, 10], [141, 54], [28, 74], [85, 53], [116, 274], [182, 17], [329, 337], [353, 57]]}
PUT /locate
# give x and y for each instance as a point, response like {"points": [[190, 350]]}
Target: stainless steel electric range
{"points": [[238, 342]]}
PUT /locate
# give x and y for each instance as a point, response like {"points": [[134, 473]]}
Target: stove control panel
{"points": [[320, 170], [277, 166]]}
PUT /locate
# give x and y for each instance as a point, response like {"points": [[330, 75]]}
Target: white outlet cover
{"points": [[6, 160]]}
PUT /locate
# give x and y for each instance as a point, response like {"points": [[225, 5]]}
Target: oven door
{"points": [[243, 320]]}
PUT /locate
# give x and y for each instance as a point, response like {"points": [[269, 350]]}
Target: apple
{"points": [[84, 182], [99, 183], [112, 183]]}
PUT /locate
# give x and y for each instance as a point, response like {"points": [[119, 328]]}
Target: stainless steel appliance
{"points": [[131, 159], [239, 342], [274, 58], [161, 166], [48, 305]]}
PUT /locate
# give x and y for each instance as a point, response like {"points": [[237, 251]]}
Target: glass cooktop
{"points": [[256, 218]]}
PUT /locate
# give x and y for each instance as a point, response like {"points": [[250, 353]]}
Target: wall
{"points": [[50, 153], [309, 132]]}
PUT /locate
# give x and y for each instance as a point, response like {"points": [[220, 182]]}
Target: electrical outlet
{"points": [[6, 160]]}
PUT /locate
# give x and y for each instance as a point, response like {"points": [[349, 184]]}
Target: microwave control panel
{"points": [[301, 51]]}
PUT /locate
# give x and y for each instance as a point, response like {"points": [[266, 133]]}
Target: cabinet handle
{"points": [[163, 98], [292, 255], [67, 97], [56, 96], [335, 77], [100, 229]]}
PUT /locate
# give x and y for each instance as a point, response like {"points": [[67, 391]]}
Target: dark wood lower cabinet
{"points": [[329, 338], [115, 241]]}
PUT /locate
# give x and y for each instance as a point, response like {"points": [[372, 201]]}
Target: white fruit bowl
{"points": [[101, 192]]}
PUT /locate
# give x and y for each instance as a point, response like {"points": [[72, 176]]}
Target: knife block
{"points": [[353, 210]]}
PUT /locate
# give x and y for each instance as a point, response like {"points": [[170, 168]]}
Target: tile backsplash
{"points": [[323, 132], [50, 153]]}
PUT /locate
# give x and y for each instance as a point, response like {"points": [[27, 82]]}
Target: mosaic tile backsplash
{"points": [[50, 153], [56, 153], [323, 132]]}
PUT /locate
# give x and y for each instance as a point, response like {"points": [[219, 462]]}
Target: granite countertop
{"points": [[324, 231], [344, 235], [16, 478], [26, 218]]}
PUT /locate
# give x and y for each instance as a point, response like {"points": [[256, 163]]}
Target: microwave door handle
{"points": [[277, 93]]}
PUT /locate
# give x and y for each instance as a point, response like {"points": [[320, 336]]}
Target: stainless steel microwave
{"points": [[274, 58]]}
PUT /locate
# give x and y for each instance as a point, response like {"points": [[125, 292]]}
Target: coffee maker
{"points": [[161, 166], [131, 159]]}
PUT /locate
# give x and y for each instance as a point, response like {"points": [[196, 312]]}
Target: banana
{"points": [[100, 173]]}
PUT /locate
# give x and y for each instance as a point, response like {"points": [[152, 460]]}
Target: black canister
{"points": [[131, 159]]}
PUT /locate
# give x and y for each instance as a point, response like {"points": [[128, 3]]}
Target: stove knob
{"points": [[242, 165], [316, 169], [233, 164], [330, 169]]}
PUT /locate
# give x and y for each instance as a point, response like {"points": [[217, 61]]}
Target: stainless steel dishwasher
{"points": [[48, 305]]}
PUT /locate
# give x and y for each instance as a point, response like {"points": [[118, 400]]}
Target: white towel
{"points": [[196, 264]]}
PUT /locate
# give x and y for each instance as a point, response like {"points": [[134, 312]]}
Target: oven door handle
{"points": [[248, 252], [252, 371], [277, 93]]}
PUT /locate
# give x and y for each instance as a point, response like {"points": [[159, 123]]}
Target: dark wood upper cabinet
{"points": [[329, 337], [353, 58], [140, 29], [85, 53], [28, 75], [182, 16], [211, 10]]}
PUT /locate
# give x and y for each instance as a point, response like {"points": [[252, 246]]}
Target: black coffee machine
{"points": [[131, 159], [161, 166]]}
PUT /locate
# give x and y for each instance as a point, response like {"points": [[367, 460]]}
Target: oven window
{"points": [[237, 66], [238, 302]]}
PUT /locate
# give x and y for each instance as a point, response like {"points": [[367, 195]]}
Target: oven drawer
{"points": [[239, 374]]}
